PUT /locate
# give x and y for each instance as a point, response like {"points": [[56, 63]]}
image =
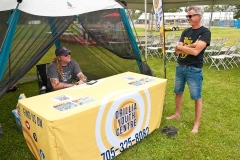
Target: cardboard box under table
{"points": [[96, 121]]}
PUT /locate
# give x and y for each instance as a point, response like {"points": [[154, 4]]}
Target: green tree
{"points": [[218, 8], [237, 12], [134, 14], [173, 10]]}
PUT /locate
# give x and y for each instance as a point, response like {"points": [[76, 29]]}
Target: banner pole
{"points": [[163, 48], [159, 14], [145, 49]]}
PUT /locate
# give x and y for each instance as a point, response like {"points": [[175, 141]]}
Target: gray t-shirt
{"points": [[69, 71]]}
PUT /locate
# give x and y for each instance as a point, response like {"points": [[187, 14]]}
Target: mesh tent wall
{"points": [[28, 46], [114, 51]]}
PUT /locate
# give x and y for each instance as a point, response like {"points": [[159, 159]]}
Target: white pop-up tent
{"points": [[32, 27], [58, 8]]}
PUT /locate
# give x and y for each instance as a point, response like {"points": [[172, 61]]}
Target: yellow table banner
{"points": [[93, 122]]}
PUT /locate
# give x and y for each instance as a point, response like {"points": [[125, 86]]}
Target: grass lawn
{"points": [[218, 138]]}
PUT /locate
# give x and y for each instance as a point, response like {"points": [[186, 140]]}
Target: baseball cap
{"points": [[62, 51]]}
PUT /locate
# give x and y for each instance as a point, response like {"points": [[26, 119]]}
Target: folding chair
{"points": [[170, 38], [236, 58], [142, 45], [42, 77], [236, 55], [155, 47], [218, 60], [218, 44], [210, 51], [229, 56], [170, 51]]}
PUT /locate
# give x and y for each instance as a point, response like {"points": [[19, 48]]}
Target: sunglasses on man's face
{"points": [[67, 54], [191, 15]]}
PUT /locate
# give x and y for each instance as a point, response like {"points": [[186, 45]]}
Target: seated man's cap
{"points": [[62, 51]]}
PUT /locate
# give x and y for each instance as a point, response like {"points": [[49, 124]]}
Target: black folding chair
{"points": [[42, 76]]}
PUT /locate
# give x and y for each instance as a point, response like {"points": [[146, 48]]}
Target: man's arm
{"points": [[193, 45], [59, 85], [82, 78], [193, 49]]}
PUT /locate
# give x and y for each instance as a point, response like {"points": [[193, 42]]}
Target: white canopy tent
{"points": [[58, 8]]}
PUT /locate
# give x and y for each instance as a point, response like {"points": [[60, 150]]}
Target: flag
{"points": [[159, 15]]}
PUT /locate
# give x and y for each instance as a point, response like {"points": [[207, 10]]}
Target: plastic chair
{"points": [[42, 76]]}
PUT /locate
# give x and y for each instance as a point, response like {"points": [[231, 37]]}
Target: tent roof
{"points": [[56, 8], [168, 4]]}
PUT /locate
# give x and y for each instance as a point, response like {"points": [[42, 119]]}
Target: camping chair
{"points": [[42, 76]]}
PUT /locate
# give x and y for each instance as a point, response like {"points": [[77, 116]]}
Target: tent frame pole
{"points": [[146, 29], [9, 26], [7, 41]]}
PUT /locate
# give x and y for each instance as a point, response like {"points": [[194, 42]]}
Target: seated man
{"points": [[63, 69]]}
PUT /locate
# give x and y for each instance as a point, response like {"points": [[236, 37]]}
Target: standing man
{"points": [[190, 50]]}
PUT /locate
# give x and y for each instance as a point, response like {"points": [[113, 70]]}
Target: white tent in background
{"points": [[217, 17]]}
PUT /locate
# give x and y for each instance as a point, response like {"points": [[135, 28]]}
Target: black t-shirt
{"points": [[190, 36]]}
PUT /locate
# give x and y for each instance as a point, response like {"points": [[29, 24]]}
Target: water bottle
{"points": [[43, 90], [1, 131]]}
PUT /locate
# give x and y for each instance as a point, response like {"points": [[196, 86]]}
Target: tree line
{"points": [[209, 8], [214, 8]]}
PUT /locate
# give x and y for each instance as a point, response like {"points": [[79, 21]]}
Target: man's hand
{"points": [[177, 50], [82, 80], [79, 82]]}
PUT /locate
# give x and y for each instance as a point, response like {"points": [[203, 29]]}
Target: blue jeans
{"points": [[193, 76]]}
